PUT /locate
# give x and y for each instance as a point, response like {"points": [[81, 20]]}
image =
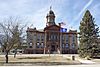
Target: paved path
{"points": [[93, 65], [84, 61]]}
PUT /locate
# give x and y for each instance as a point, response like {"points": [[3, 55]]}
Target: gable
{"points": [[52, 27]]}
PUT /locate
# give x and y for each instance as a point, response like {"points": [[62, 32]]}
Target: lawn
{"points": [[38, 60]]}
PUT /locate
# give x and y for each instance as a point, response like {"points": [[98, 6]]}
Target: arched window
{"points": [[42, 45], [38, 45], [67, 45], [73, 45], [30, 45]]}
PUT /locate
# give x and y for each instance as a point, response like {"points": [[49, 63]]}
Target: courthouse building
{"points": [[52, 39]]}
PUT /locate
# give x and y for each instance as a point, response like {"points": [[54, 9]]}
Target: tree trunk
{"points": [[15, 53], [6, 56]]}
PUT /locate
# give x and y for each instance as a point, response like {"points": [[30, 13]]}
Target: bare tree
{"points": [[12, 36], [18, 37], [7, 41]]}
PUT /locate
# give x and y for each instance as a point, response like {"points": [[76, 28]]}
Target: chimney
{"points": [[59, 24]]}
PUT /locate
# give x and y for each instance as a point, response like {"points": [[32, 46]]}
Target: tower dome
{"points": [[51, 12], [50, 18]]}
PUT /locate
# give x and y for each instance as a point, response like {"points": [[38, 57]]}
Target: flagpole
{"points": [[60, 39], [61, 32]]}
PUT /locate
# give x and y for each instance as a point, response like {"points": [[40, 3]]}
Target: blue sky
{"points": [[35, 11]]}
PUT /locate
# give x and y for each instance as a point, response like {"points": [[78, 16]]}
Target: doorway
{"points": [[53, 48]]}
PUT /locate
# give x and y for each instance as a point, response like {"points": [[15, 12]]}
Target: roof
{"points": [[51, 26], [51, 13], [31, 29], [40, 30]]}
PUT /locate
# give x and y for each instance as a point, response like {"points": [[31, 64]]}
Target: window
{"points": [[38, 37], [73, 45], [63, 38], [30, 45], [37, 45], [66, 38], [63, 45], [42, 38], [67, 45], [42, 45], [56, 37], [34, 36], [51, 37]]}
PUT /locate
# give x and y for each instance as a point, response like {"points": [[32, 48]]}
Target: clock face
{"points": [[50, 19]]}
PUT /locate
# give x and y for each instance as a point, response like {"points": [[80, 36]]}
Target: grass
{"points": [[40, 60], [30, 58], [36, 63]]}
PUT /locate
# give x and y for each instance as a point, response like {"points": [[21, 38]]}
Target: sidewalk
{"points": [[83, 61], [86, 61]]}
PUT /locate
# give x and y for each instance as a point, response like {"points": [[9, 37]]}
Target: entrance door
{"points": [[53, 48]]}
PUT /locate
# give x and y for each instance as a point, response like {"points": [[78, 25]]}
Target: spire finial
{"points": [[50, 7]]}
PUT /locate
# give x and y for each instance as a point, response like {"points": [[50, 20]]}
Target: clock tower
{"points": [[50, 18]]}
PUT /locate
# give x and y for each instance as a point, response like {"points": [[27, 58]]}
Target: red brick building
{"points": [[51, 39]]}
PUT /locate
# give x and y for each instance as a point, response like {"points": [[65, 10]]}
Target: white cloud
{"points": [[38, 18], [76, 19], [83, 9], [95, 11], [36, 10]]}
